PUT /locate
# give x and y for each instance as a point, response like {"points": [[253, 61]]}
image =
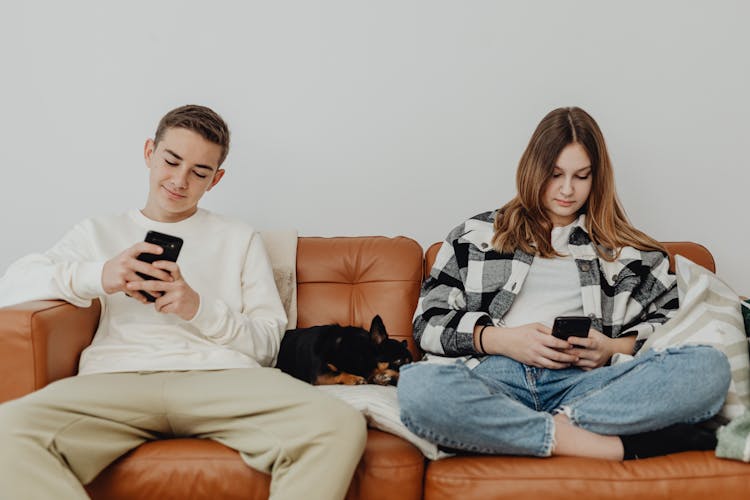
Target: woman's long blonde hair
{"points": [[523, 222]]}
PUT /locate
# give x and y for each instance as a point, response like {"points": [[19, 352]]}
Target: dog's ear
{"points": [[377, 330], [405, 344]]}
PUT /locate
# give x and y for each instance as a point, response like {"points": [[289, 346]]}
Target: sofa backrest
{"points": [[693, 251], [348, 280]]}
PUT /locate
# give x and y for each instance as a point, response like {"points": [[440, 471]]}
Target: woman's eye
{"points": [[583, 177], [202, 176], [170, 163], [555, 176]]}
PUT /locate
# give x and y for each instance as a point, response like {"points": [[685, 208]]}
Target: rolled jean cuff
{"points": [[548, 441]]}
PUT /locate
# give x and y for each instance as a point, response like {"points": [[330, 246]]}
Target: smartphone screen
{"points": [[571, 326], [170, 244]]}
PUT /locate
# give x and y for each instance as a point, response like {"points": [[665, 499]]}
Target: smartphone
{"points": [[571, 326], [170, 244]]}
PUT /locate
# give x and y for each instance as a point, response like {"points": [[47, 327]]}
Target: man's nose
{"points": [[179, 179]]}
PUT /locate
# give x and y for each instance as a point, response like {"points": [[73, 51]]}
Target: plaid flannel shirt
{"points": [[470, 283]]}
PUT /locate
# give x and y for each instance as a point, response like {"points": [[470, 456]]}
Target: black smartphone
{"points": [[571, 326], [170, 244]]}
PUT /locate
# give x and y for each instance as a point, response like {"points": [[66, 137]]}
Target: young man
{"points": [[194, 362]]}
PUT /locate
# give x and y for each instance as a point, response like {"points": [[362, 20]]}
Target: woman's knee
{"points": [[712, 366], [709, 372]]}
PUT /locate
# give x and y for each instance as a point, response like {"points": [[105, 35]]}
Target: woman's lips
{"points": [[564, 203]]}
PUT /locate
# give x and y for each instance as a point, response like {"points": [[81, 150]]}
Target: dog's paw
{"points": [[349, 379], [382, 379]]}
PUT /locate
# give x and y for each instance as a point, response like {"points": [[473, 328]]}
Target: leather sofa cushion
{"points": [[175, 469], [349, 280], [686, 476]]}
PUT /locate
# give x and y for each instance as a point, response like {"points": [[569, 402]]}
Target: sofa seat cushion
{"points": [[690, 475], [205, 469]]}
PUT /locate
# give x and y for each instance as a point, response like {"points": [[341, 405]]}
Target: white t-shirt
{"points": [[552, 287], [240, 320]]}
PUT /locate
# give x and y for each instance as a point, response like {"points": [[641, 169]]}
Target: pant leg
{"points": [[487, 410], [678, 385], [64, 434], [309, 441]]}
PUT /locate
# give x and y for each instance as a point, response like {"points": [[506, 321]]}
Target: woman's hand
{"points": [[597, 349], [530, 344]]}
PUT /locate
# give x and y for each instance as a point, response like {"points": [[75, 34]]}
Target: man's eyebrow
{"points": [[173, 154], [208, 167]]}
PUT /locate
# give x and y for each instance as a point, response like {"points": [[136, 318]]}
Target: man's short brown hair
{"points": [[199, 119]]}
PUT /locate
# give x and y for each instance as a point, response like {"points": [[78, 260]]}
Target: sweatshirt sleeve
{"points": [[257, 329], [68, 271], [442, 323]]}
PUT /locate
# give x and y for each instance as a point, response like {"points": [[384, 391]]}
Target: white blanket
{"points": [[379, 405], [709, 314], [281, 247]]}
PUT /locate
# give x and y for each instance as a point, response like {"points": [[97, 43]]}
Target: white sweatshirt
{"points": [[240, 320]]}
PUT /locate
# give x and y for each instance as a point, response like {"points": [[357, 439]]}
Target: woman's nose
{"points": [[567, 187]]}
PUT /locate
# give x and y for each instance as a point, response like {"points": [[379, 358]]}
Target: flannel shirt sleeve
{"points": [[656, 295], [442, 323]]}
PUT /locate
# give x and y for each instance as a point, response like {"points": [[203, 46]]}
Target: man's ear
{"points": [[148, 150], [377, 330], [217, 177]]}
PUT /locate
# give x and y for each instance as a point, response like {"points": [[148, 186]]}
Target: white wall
{"points": [[381, 117]]}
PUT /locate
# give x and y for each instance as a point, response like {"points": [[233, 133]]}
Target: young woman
{"points": [[561, 247]]}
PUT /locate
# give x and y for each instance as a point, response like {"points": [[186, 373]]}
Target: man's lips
{"points": [[174, 195]]}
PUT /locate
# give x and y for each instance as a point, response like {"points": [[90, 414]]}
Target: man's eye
{"points": [[173, 164], [202, 176]]}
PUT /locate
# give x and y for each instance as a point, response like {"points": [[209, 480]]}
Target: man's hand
{"points": [[530, 344], [173, 296], [121, 270], [596, 349]]}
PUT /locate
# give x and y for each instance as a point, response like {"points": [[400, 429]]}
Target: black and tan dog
{"points": [[334, 354]]}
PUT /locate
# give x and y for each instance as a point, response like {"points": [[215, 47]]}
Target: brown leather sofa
{"points": [[347, 281]]}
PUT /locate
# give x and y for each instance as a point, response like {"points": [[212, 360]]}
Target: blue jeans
{"points": [[505, 407]]}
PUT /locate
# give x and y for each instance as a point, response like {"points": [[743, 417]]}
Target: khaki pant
{"points": [[63, 435]]}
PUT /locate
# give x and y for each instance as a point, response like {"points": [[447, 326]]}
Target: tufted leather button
{"points": [[592, 315], [615, 276], [585, 267], [484, 245]]}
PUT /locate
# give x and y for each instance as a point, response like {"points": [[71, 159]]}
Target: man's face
{"points": [[183, 166]]}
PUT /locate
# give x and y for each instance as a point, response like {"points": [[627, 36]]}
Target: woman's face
{"points": [[569, 187]]}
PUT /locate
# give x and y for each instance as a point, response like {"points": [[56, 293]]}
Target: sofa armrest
{"points": [[41, 342]]}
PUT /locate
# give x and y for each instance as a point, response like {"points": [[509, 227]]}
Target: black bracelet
{"points": [[481, 344]]}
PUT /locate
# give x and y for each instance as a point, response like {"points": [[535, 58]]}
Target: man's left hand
{"points": [[177, 297]]}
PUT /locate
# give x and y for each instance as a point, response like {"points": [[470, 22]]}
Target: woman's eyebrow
{"points": [[576, 171]]}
